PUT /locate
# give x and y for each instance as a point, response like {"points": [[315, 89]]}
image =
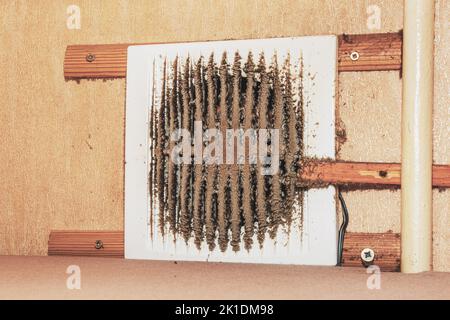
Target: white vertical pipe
{"points": [[416, 204]]}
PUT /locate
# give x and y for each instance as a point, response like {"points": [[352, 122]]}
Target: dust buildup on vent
{"points": [[248, 193], [262, 187], [223, 199], [220, 204], [186, 169], [161, 156], [172, 187], [277, 123], [198, 176], [236, 190], [211, 169]]}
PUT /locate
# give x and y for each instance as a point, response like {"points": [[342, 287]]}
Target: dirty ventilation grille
{"points": [[216, 203], [196, 209]]}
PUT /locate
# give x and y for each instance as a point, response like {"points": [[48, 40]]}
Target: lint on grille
{"points": [[215, 137]]}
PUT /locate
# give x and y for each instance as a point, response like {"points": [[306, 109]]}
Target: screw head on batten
{"points": [[354, 55], [90, 57]]}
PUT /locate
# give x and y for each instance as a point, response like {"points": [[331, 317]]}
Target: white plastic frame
{"points": [[317, 244]]}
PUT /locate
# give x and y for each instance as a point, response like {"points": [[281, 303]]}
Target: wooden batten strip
{"points": [[381, 51], [83, 243], [385, 245], [363, 174], [376, 52]]}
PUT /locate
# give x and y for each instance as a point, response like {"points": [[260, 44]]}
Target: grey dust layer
{"points": [[224, 204]]}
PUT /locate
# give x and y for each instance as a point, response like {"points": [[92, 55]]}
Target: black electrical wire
{"points": [[342, 228]]}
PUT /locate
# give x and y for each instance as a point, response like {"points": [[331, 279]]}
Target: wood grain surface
{"points": [[83, 243], [376, 52], [364, 174], [386, 247], [86, 243]]}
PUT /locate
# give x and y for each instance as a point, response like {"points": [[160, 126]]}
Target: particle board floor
{"points": [[109, 278]]}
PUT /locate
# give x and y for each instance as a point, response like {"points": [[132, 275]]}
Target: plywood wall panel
{"points": [[441, 135], [61, 143]]}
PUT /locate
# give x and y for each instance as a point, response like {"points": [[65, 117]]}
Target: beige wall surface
{"points": [[61, 143]]}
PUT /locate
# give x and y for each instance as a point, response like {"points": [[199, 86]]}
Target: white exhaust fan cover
{"points": [[316, 244]]}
